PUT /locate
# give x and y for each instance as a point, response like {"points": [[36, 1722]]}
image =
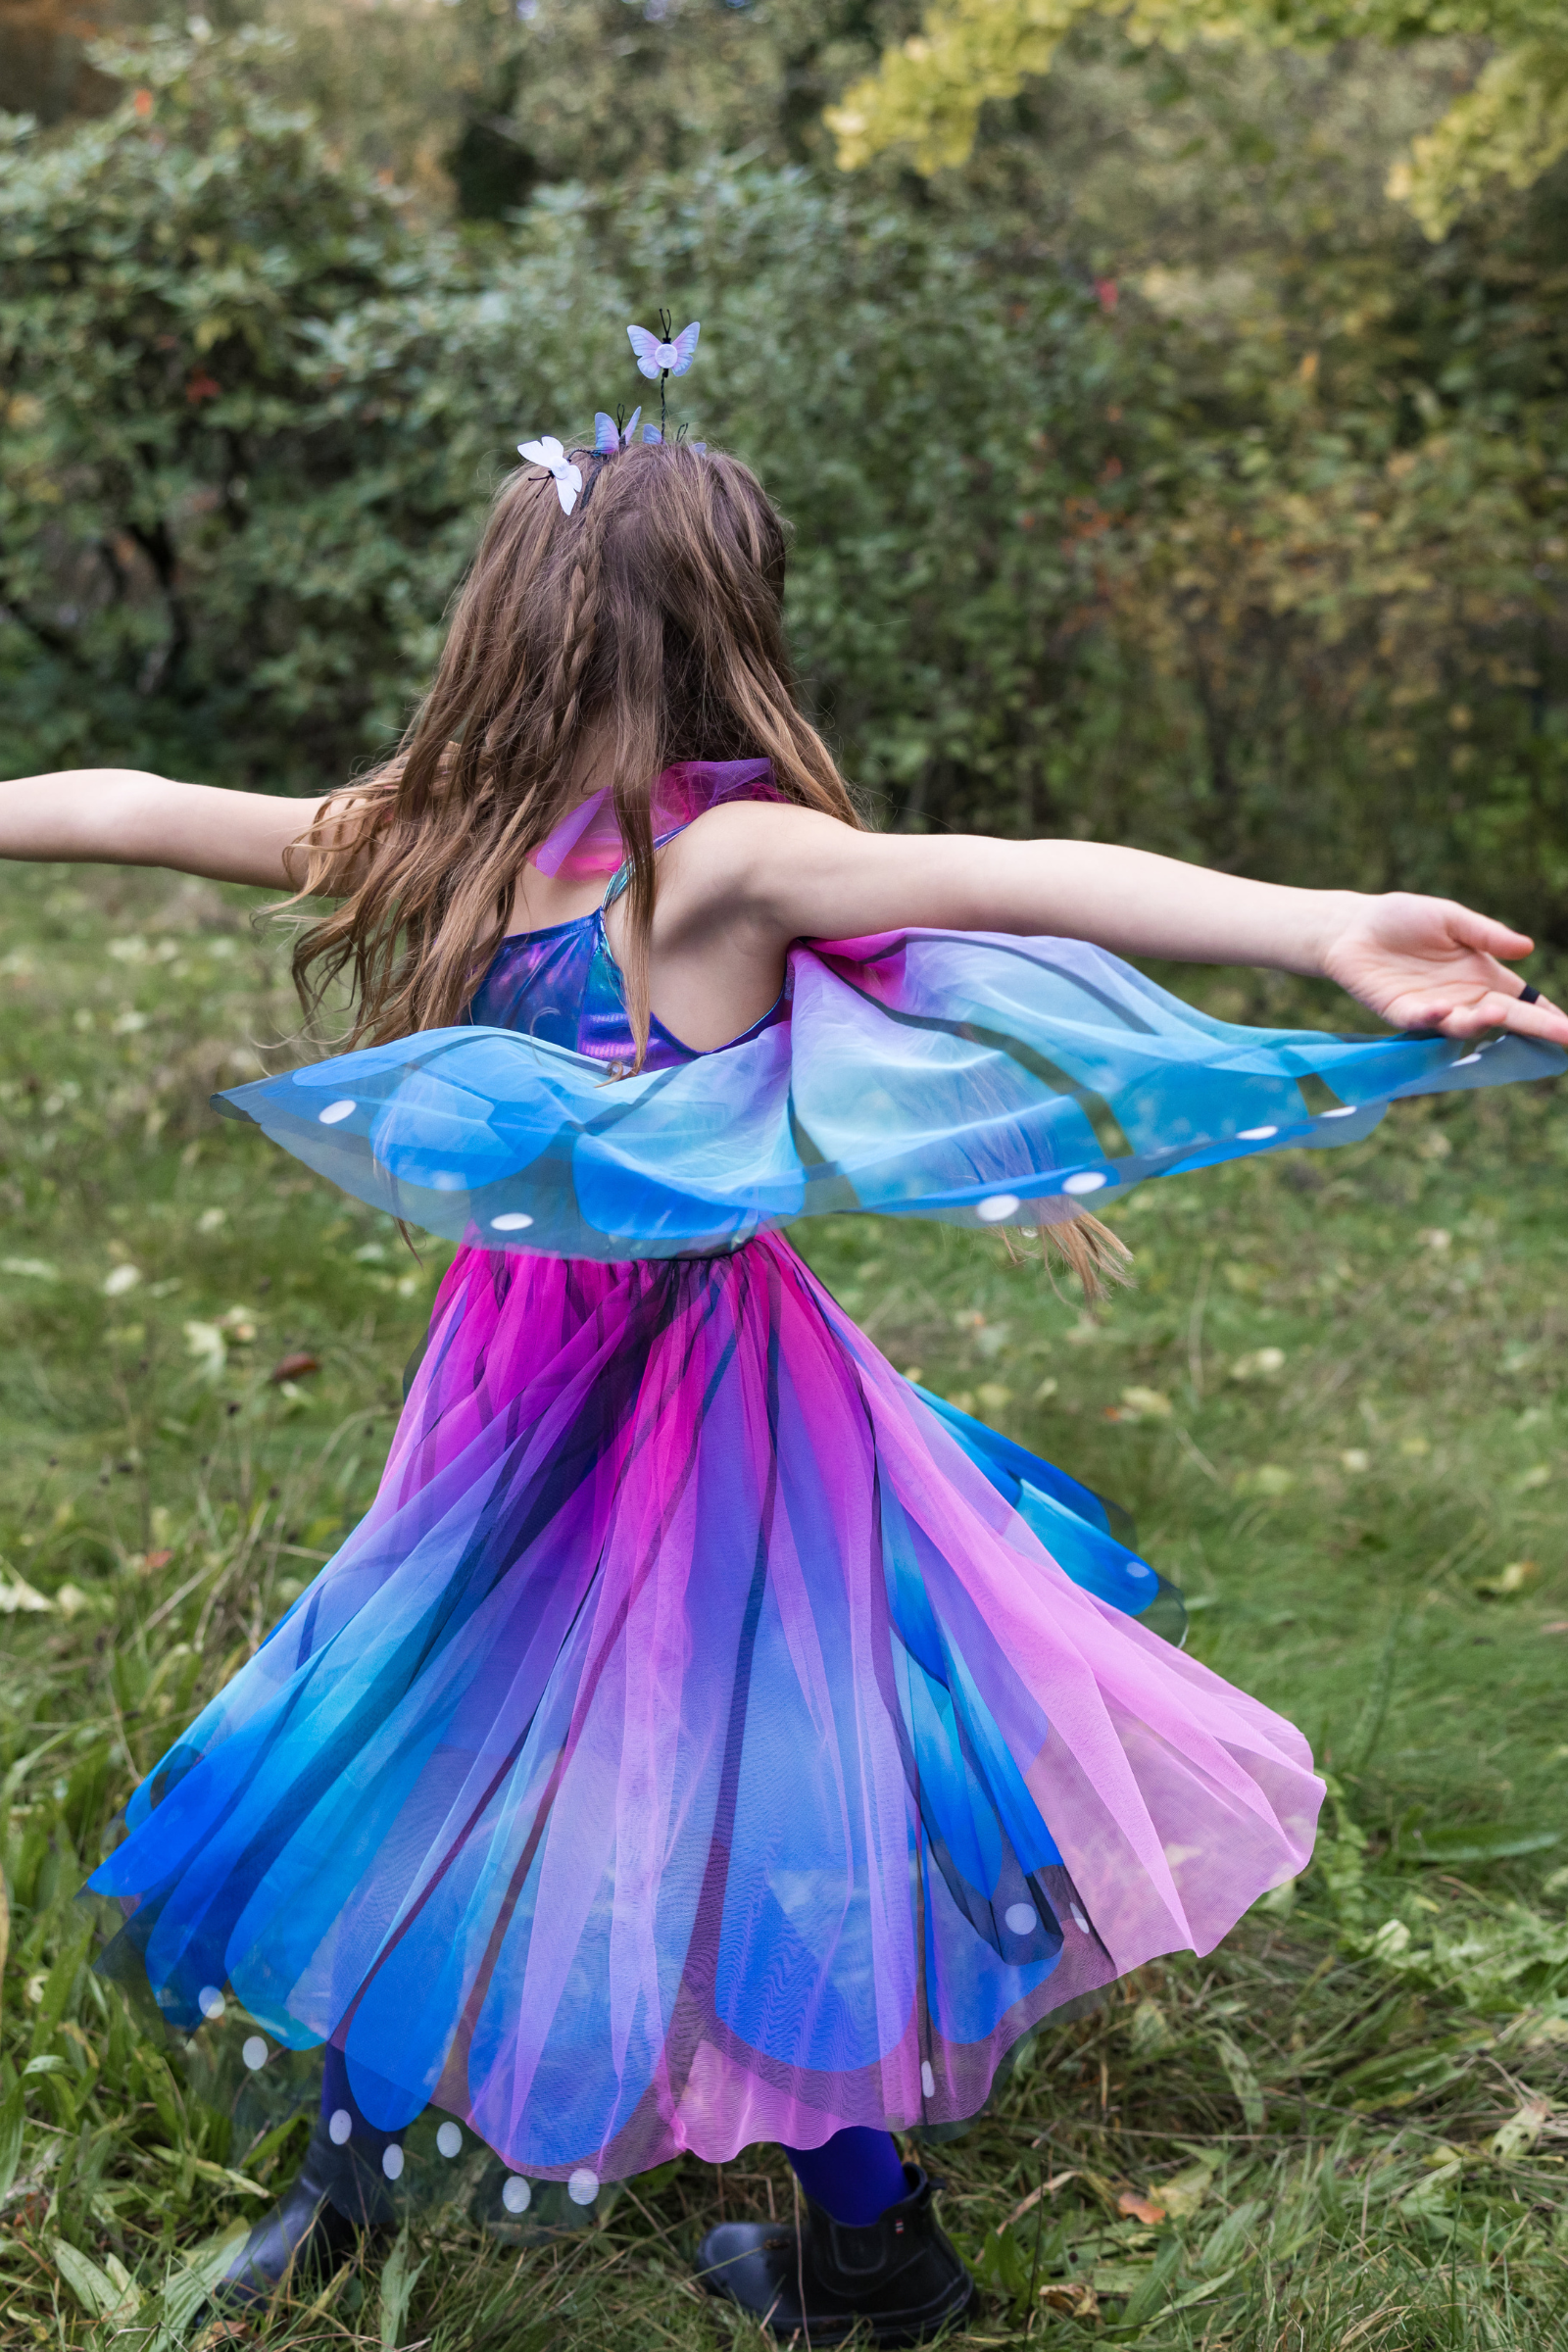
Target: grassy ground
{"points": [[1336, 1401]]}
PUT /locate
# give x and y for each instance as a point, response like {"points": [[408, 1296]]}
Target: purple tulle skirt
{"points": [[692, 1746]]}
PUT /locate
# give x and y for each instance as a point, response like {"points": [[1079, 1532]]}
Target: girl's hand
{"points": [[1428, 964]]}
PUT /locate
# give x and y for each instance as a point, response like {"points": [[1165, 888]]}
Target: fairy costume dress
{"points": [[707, 1737]]}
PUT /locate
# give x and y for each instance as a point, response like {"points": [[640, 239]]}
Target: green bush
{"points": [[219, 514], [1287, 593], [254, 418]]}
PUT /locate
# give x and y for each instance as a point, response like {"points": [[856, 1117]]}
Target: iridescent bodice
{"points": [[563, 984]]}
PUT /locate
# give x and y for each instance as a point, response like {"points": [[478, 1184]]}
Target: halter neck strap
{"points": [[588, 841], [620, 879]]}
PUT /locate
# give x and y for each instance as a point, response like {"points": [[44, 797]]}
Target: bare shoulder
{"points": [[771, 822], [734, 849]]}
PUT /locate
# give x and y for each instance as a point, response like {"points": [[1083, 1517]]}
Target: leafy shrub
{"points": [[1068, 557], [253, 418]]}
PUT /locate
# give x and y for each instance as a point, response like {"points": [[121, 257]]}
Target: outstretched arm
{"points": [[788, 873], [122, 816]]}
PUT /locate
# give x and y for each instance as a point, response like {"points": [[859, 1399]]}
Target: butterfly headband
{"points": [[658, 358]]}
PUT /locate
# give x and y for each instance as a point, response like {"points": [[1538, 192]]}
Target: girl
{"points": [[707, 1737]]}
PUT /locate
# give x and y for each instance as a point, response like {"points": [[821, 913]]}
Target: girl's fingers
{"points": [[1487, 973], [1540, 1019], [1491, 938], [1430, 963], [1495, 1009]]}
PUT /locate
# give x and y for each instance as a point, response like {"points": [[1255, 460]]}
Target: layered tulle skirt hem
{"points": [[703, 1739]]}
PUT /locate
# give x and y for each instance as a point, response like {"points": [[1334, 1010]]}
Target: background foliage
{"points": [[1512, 124], [1154, 475]]}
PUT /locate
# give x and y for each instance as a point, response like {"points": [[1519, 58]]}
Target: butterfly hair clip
{"points": [[658, 358], [611, 435], [661, 355], [566, 476]]}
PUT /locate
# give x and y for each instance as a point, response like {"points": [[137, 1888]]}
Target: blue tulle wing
{"points": [[979, 1079]]}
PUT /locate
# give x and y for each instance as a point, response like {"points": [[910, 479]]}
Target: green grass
{"points": [[1355, 2098]]}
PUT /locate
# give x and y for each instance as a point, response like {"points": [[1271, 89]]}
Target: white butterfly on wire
{"points": [[567, 475], [664, 353]]}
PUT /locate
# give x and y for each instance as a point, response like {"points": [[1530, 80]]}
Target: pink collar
{"points": [[588, 840]]}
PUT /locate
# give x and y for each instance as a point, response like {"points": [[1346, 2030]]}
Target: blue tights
{"points": [[855, 2176]]}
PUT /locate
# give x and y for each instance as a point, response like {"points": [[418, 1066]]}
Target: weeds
{"points": [[1335, 1404]]}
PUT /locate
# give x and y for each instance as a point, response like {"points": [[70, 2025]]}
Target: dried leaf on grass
{"points": [[1073, 2297], [1183, 2193], [1522, 2129], [1045, 2189], [1140, 2209]]}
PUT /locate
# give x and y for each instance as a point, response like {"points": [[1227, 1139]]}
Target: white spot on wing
{"points": [[999, 1206]]}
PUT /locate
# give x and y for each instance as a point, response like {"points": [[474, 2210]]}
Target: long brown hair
{"points": [[652, 613]]}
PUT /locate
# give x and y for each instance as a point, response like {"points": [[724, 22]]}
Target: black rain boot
{"points": [[336, 2195], [899, 2276]]}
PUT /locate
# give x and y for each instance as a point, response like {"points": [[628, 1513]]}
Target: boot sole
{"points": [[890, 2331]]}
